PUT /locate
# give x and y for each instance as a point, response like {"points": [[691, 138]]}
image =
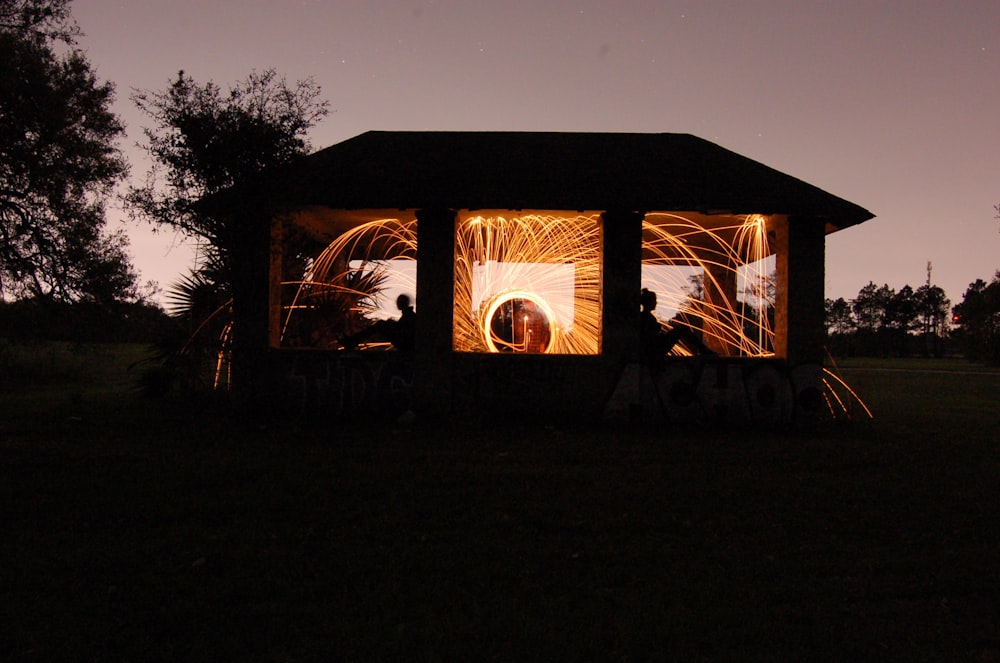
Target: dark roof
{"points": [[554, 171]]}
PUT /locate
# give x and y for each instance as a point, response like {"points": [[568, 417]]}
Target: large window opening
{"points": [[712, 275], [351, 286], [527, 283]]}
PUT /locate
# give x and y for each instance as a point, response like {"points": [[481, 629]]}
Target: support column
{"points": [[800, 244], [275, 317], [252, 261], [435, 310], [621, 282]]}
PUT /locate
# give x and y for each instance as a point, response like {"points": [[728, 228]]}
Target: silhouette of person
{"points": [[402, 333], [656, 341]]}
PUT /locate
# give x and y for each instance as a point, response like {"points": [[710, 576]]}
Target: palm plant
{"points": [[199, 303], [330, 307]]}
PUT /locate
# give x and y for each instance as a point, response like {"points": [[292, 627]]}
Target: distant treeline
{"points": [[884, 322], [44, 320]]}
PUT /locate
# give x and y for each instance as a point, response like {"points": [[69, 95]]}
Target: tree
{"points": [[59, 161], [869, 313], [978, 317], [839, 317], [932, 313], [900, 319], [207, 142], [210, 150], [869, 307], [39, 19], [840, 327]]}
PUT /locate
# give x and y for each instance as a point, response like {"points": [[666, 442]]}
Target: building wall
{"points": [[498, 389]]}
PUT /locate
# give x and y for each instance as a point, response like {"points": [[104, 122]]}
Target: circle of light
{"points": [[504, 297]]}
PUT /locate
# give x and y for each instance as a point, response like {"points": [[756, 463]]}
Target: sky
{"points": [[892, 104]]}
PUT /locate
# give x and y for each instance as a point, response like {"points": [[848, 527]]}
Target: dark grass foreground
{"points": [[131, 531]]}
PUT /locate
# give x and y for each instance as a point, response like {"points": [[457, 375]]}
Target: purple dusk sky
{"points": [[891, 104]]}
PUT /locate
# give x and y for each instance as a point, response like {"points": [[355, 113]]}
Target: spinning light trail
{"points": [[544, 270]]}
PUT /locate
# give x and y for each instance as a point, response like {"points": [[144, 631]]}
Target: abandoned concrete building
{"points": [[525, 254]]}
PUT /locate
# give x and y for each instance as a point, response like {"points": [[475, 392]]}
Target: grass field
{"points": [[135, 530]]}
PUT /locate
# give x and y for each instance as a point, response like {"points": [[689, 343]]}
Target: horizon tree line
{"points": [[884, 322]]}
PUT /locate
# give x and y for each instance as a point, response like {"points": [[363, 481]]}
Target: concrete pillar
{"points": [[275, 269], [621, 279], [799, 243], [435, 310], [254, 316]]}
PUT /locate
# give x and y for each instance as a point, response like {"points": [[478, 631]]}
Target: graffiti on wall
{"points": [[345, 385], [342, 385], [718, 391]]}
